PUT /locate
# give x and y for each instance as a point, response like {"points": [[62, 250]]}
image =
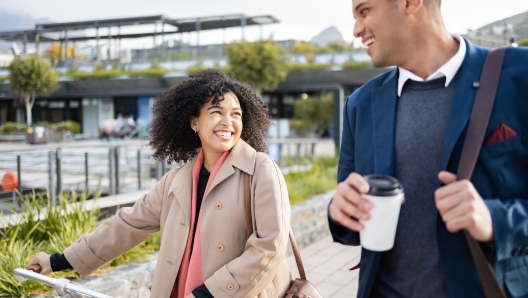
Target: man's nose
{"points": [[358, 29]]}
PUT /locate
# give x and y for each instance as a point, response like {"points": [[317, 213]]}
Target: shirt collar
{"points": [[448, 70]]}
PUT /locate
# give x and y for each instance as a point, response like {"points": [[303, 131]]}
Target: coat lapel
{"points": [[182, 187], [460, 113], [384, 101], [242, 156]]}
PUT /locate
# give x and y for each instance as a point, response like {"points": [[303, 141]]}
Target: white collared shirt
{"points": [[448, 70]]}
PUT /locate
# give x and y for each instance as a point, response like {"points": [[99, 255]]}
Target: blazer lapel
{"points": [[460, 113], [384, 101]]}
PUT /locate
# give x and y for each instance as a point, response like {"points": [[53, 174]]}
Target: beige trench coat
{"points": [[233, 266]]}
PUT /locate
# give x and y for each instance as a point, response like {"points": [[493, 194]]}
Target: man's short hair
{"points": [[434, 3], [431, 3]]}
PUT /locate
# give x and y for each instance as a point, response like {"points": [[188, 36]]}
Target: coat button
{"points": [[220, 247], [218, 206], [230, 287]]}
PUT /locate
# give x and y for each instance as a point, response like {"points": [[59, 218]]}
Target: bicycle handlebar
{"points": [[62, 286]]}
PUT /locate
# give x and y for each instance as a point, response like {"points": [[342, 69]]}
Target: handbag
{"points": [[301, 287], [480, 114]]}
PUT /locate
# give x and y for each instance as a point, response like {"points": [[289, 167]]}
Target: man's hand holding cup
{"points": [[369, 205], [348, 205]]}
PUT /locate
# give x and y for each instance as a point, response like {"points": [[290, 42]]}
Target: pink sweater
{"points": [[190, 275]]}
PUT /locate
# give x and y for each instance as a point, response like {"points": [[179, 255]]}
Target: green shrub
{"points": [[313, 114], [61, 225], [309, 66], [195, 68], [46, 124], [72, 126], [151, 72], [97, 74], [351, 64], [13, 127], [523, 42], [4, 78], [300, 127], [181, 56], [15, 253], [320, 179], [154, 71]]}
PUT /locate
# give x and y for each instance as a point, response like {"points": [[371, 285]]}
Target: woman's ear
{"points": [[193, 123]]}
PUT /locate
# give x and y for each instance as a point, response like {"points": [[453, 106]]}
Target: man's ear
{"points": [[412, 6]]}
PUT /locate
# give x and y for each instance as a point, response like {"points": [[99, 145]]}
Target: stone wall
{"points": [[309, 224], [309, 219]]}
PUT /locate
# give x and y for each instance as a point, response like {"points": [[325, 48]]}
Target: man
{"points": [[411, 123]]}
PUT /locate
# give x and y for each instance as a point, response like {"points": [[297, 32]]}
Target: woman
{"points": [[217, 125]]}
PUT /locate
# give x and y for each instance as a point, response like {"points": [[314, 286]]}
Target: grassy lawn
{"points": [[322, 178]]}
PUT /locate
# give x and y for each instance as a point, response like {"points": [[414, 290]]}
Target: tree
{"points": [[339, 46], [261, 64], [523, 42], [313, 114], [304, 47], [30, 76]]}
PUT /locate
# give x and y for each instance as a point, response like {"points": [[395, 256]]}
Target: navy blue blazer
{"points": [[500, 176]]}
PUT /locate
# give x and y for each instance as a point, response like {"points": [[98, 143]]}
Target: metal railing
{"points": [[113, 168], [292, 148], [64, 287]]}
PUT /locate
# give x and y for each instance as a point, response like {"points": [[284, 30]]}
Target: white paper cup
{"points": [[379, 231]]}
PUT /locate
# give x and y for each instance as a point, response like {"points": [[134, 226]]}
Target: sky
{"points": [[299, 19]]}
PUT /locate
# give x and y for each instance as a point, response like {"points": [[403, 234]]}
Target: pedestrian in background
{"points": [[410, 123]]}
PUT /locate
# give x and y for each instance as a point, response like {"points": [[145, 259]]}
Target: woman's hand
{"points": [[40, 263]]}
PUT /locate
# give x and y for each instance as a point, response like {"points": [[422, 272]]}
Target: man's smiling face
{"points": [[380, 25]]}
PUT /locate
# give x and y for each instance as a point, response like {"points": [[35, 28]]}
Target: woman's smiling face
{"points": [[219, 125]]}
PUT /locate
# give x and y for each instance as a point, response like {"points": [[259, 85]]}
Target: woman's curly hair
{"points": [[171, 135]]}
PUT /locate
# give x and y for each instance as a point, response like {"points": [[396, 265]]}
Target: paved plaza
{"points": [[327, 265]]}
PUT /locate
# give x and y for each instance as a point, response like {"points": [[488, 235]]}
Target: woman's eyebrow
{"points": [[220, 107]]}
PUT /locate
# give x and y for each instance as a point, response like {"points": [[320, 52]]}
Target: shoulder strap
{"points": [[480, 114], [249, 224], [247, 200]]}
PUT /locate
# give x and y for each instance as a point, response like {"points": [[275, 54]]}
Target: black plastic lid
{"points": [[383, 186]]}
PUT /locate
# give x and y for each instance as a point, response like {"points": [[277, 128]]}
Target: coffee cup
{"points": [[379, 231]]}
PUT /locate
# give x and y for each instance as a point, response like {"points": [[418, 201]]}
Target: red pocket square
{"points": [[502, 133]]}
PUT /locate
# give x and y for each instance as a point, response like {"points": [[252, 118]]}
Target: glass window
{"points": [[57, 104]]}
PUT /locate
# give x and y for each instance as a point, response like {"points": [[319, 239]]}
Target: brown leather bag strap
{"points": [[249, 224], [297, 254], [247, 199], [480, 114]]}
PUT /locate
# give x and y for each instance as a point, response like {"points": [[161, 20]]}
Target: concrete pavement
{"points": [[327, 267]]}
